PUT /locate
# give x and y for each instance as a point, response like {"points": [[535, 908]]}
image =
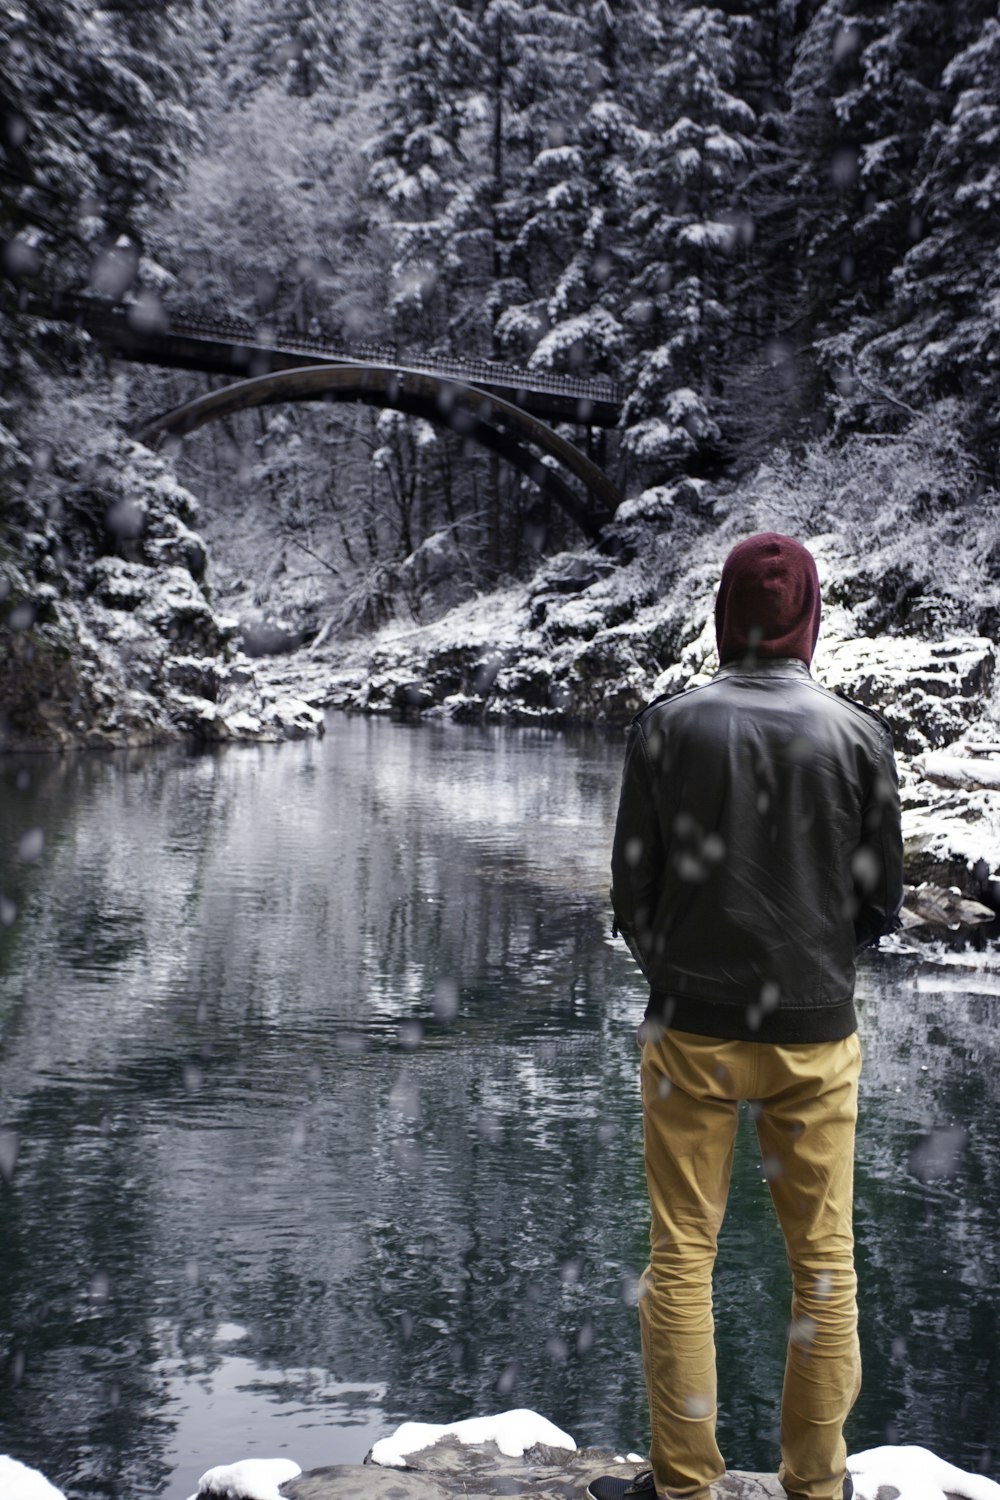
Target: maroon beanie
{"points": [[768, 602]]}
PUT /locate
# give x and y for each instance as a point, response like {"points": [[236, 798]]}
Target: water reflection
{"points": [[226, 1403], [329, 1043]]}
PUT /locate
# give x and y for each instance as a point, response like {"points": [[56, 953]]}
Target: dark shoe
{"points": [[848, 1486], [617, 1487]]}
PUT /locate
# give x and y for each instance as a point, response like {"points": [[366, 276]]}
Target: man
{"points": [[757, 845]]}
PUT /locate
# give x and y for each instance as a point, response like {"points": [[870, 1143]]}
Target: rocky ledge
{"points": [[520, 1453], [482, 1472]]}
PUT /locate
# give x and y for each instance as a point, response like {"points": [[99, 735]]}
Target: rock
{"points": [[908, 1472], [169, 541], [951, 836], [249, 1479], [481, 1472], [476, 1472], [198, 675], [269, 637], [929, 691], [19, 1482], [118, 584], [930, 905], [569, 573], [412, 694], [954, 771], [294, 718]]}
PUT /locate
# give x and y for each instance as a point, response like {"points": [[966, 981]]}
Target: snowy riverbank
{"points": [[588, 641], [131, 648]]}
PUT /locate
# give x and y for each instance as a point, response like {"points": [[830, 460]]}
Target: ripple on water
{"points": [[322, 1071]]}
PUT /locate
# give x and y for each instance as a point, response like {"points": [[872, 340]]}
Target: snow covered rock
{"points": [[513, 1432], [912, 1473], [18, 1482], [249, 1479], [470, 1461], [930, 905], [929, 691], [961, 772], [294, 718]]}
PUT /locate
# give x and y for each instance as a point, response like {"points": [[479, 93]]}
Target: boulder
{"points": [[481, 1471], [931, 905]]}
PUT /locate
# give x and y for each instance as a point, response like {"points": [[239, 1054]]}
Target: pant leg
{"points": [[689, 1128], [808, 1111]]}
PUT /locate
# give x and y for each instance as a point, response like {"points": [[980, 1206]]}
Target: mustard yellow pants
{"points": [[804, 1099]]}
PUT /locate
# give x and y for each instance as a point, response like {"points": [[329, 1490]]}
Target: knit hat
{"points": [[768, 602]]}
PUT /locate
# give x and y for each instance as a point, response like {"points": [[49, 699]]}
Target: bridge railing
{"points": [[222, 327]]}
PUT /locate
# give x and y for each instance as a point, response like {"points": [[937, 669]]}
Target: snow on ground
{"points": [[512, 1431]]}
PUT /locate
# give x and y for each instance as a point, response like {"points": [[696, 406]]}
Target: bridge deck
{"points": [[224, 345]]}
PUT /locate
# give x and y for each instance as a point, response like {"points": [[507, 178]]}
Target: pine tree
{"points": [[306, 46], [94, 124], [947, 300], [686, 229], [571, 246], [833, 190], [416, 168]]}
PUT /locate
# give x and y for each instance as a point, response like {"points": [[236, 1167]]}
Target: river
{"points": [[318, 1112]]}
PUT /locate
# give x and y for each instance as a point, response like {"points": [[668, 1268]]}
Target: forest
{"points": [[775, 222]]}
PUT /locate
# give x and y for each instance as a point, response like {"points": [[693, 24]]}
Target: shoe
{"points": [[848, 1486], [617, 1487]]}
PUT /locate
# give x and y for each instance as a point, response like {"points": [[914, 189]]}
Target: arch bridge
{"points": [[503, 408]]}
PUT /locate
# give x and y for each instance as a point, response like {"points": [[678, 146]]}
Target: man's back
{"points": [[768, 859]]}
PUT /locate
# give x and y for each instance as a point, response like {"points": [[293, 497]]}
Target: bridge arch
{"points": [[471, 412]]}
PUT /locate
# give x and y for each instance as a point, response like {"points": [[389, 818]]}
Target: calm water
{"points": [[319, 1109]]}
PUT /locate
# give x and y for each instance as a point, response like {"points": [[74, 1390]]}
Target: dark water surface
{"points": [[318, 1096]]}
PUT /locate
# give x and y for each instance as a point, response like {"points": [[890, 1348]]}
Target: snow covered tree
{"points": [[833, 191], [570, 250], [93, 127], [946, 309], [307, 46], [416, 167], [686, 228]]}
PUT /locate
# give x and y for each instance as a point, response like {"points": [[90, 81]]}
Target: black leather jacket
{"points": [[757, 846]]}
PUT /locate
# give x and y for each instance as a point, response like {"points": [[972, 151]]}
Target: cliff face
{"points": [[108, 632]]}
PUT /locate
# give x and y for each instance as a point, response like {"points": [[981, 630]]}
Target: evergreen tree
{"points": [[416, 165], [306, 46], [686, 228], [571, 248], [947, 288], [834, 188], [93, 127]]}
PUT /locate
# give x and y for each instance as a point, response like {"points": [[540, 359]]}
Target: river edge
{"points": [[585, 643], [951, 804]]}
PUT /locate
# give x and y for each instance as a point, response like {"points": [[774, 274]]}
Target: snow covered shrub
{"points": [[907, 534]]}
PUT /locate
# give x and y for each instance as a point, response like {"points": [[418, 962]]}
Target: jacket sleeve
{"points": [[637, 857], [877, 866]]}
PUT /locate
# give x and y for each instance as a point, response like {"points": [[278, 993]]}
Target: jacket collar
{"points": [[767, 666]]}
